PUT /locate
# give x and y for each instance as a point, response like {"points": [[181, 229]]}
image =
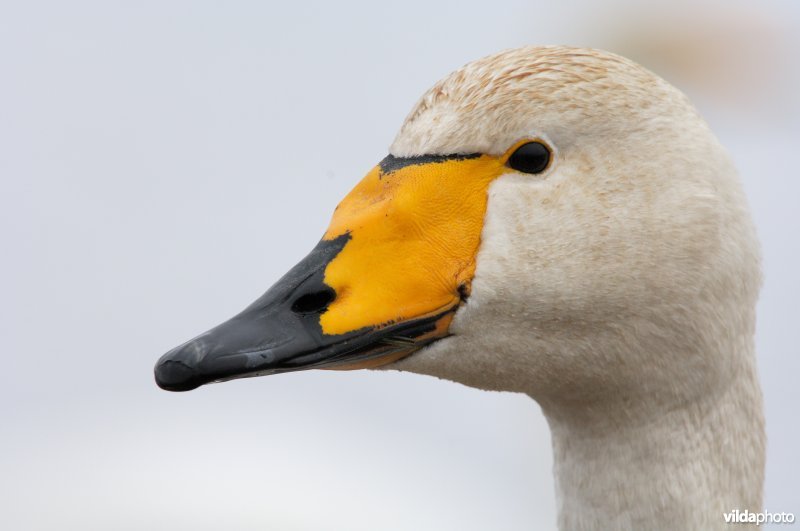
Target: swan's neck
{"points": [[649, 467]]}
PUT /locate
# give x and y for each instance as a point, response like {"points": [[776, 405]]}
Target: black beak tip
{"points": [[174, 375]]}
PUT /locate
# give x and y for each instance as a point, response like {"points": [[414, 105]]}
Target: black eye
{"points": [[532, 157]]}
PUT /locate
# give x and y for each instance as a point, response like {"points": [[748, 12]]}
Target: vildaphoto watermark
{"points": [[747, 517]]}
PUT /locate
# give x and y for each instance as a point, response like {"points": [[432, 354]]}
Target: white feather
{"points": [[618, 289]]}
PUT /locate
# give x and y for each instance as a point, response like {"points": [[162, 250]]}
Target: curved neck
{"points": [[676, 467]]}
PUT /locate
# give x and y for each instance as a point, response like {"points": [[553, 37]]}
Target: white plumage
{"points": [[617, 289]]}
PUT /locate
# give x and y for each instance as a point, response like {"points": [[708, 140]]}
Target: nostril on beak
{"points": [[316, 302]]}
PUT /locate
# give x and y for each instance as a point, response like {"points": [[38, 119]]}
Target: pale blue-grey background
{"points": [[163, 162]]}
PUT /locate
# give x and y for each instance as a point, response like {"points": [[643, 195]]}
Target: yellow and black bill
{"points": [[386, 279], [281, 332]]}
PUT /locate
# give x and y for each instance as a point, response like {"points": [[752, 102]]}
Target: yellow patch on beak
{"points": [[415, 227]]}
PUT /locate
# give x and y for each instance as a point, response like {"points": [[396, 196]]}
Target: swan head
{"points": [[550, 220]]}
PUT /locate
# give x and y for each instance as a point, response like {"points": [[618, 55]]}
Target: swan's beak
{"points": [[281, 332], [386, 279]]}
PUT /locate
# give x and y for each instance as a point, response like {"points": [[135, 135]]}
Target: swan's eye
{"points": [[532, 157]]}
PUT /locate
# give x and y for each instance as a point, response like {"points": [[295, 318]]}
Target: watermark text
{"points": [[747, 517]]}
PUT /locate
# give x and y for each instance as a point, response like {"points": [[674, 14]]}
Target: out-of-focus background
{"points": [[163, 162]]}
